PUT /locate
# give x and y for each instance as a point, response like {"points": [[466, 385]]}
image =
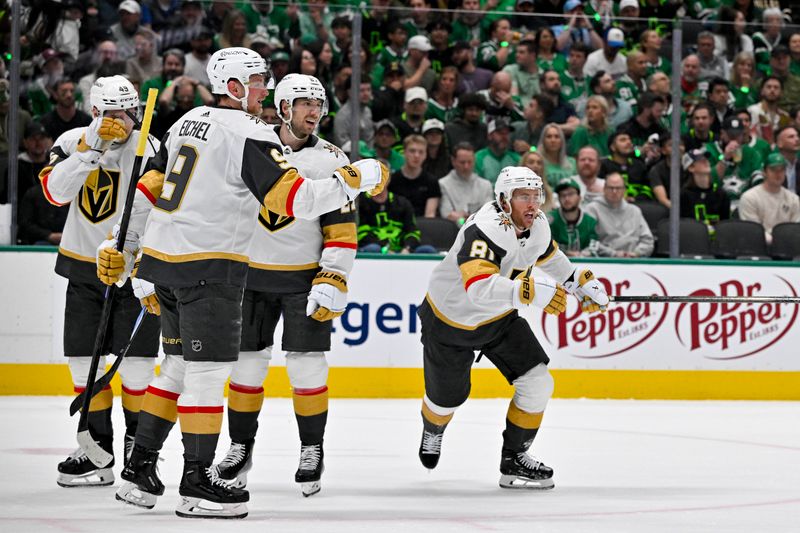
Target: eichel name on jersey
{"points": [[215, 168], [96, 195], [474, 287], [286, 253]]}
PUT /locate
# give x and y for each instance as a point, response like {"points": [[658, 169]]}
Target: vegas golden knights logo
{"points": [[273, 222], [98, 199]]}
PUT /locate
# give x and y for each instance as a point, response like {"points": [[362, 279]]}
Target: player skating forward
{"points": [[90, 169], [298, 270], [216, 166], [472, 304]]}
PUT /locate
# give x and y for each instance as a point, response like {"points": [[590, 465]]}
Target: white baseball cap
{"points": [[416, 93], [432, 124], [420, 42], [628, 3], [131, 6], [615, 38]]}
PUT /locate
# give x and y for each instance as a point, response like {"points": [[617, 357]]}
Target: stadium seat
{"points": [[438, 232], [740, 239], [693, 238], [653, 213], [786, 241]]}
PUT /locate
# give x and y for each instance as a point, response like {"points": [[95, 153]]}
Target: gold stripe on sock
{"points": [[132, 401], [523, 419], [310, 405], [200, 420], [103, 401], [245, 402], [160, 406]]}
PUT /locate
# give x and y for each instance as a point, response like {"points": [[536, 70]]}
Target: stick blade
{"points": [[93, 451]]}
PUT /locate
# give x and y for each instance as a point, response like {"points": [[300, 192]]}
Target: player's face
{"points": [[525, 204], [258, 91], [306, 114]]}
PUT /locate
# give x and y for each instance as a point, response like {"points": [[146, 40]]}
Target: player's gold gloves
{"points": [[328, 296], [112, 129], [366, 175], [590, 292], [146, 292], [541, 292]]}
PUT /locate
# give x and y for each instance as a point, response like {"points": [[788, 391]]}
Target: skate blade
{"points": [[516, 482], [102, 477], [130, 494], [310, 488], [199, 508]]}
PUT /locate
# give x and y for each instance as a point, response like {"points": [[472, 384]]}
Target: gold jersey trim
{"points": [[198, 256], [451, 323], [286, 268], [77, 257]]}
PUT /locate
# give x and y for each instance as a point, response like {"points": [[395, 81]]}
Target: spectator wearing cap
{"points": [[418, 65], [608, 57], [660, 174], [779, 66], [443, 103], [419, 17], [587, 177], [441, 52], [390, 97], [395, 49], [700, 122], [489, 161], [500, 101], [719, 97], [553, 147], [386, 138], [735, 165], [570, 226], [342, 120], [700, 199], [463, 191], [526, 133], [767, 39], [413, 183], [692, 91], [711, 64], [563, 113], [757, 143], [767, 116], [633, 83], [619, 111], [494, 53], [647, 121], [468, 127], [629, 11], [146, 63], [787, 143], [467, 23], [578, 29], [410, 121], [279, 65], [574, 85], [594, 129], [524, 72], [198, 56], [472, 78], [437, 161], [65, 115], [624, 161], [123, 32], [621, 228], [770, 203], [30, 161]]}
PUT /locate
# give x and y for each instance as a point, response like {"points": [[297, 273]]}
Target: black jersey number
{"points": [[178, 179]]}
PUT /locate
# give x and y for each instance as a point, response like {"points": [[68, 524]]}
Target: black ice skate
{"points": [[205, 495], [236, 464], [143, 487], [78, 471], [518, 470], [310, 470], [430, 448]]}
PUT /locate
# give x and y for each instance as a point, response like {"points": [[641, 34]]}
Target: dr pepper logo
{"points": [[734, 331], [621, 328]]}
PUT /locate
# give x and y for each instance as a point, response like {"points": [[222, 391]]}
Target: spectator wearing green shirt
{"points": [[418, 18], [574, 85], [764, 41], [692, 89], [619, 110], [743, 84], [650, 46], [779, 63], [491, 160], [794, 51], [735, 166], [497, 51], [594, 130], [632, 84], [547, 54], [172, 65], [570, 227], [553, 147], [395, 50], [753, 141], [443, 104], [524, 72], [467, 25], [386, 138]]}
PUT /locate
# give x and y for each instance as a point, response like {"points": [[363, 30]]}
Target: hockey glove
{"points": [[328, 296], [98, 137], [590, 292], [367, 175], [146, 292], [113, 266], [541, 292]]}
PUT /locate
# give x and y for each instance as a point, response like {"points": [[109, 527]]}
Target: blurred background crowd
{"points": [[451, 91]]}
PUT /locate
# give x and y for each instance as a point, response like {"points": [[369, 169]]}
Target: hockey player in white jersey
{"points": [[298, 270], [473, 300], [216, 167], [90, 169]]}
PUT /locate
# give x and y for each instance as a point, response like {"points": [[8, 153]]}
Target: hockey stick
{"points": [[103, 382], [97, 455], [708, 299]]}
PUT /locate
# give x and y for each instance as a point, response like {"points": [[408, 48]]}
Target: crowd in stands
{"points": [[578, 91]]}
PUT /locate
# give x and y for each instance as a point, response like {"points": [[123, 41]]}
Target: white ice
{"points": [[635, 466]]}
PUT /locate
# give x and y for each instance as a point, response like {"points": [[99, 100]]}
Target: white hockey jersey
{"points": [[215, 168], [96, 194], [473, 285], [287, 252]]}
